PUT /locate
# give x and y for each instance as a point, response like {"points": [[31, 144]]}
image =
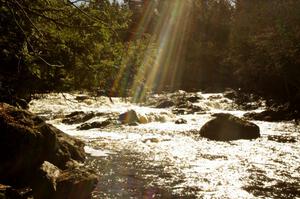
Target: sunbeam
{"points": [[159, 68]]}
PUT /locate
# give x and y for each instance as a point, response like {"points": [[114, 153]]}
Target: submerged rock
{"points": [[194, 98], [282, 138], [93, 125], [81, 97], [165, 104], [180, 121], [227, 127], [187, 108], [78, 117]]}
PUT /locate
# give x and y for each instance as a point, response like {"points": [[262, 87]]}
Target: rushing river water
{"points": [[161, 159]]}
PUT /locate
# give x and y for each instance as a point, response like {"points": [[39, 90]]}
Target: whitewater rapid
{"points": [[161, 159]]}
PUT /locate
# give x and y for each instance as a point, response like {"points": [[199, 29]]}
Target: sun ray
{"points": [[160, 65]]}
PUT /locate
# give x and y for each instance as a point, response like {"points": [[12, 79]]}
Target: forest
{"points": [[160, 45]]}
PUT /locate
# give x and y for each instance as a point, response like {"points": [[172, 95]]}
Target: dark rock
{"points": [[51, 182], [282, 138], [78, 117], [154, 140], [271, 115], [81, 97], [44, 181], [22, 103], [93, 125], [26, 141], [180, 121], [194, 108], [221, 115], [129, 117], [215, 97], [186, 108], [193, 98], [165, 104], [227, 127], [179, 111], [230, 94], [69, 148], [75, 183], [75, 113], [249, 106], [183, 104], [8, 192]]}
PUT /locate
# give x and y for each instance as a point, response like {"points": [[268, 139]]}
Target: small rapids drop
{"points": [[162, 158]]}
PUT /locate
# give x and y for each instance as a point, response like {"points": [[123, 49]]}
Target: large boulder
{"points": [[225, 127], [26, 141]]}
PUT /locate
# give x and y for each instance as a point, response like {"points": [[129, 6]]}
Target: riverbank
{"points": [[40, 161]]}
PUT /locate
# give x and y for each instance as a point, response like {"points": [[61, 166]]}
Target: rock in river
{"points": [[165, 104], [129, 117], [227, 127], [93, 125], [77, 117], [180, 121]]}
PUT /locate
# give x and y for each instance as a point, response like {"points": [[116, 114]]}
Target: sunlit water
{"points": [[161, 159]]}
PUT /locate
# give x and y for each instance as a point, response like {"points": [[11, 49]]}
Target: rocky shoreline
{"points": [[40, 161]]}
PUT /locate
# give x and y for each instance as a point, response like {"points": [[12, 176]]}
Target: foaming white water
{"points": [[174, 157]]}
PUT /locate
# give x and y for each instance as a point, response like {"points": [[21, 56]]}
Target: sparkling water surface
{"points": [[161, 159]]}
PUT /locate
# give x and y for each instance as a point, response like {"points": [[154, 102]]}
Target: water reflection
{"points": [[125, 175]]}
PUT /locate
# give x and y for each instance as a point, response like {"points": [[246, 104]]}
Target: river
{"points": [[162, 159]]}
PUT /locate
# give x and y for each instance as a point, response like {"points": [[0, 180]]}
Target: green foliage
{"points": [[61, 45]]}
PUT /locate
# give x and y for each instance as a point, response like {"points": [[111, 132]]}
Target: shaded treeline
{"points": [[248, 44], [59, 45]]}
